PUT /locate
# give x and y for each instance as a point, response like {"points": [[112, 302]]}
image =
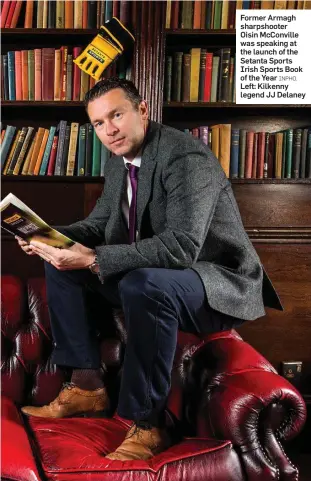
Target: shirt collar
{"points": [[136, 161]]}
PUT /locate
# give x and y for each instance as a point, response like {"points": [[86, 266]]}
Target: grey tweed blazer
{"points": [[187, 217]]}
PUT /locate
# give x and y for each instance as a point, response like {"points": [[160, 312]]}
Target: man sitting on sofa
{"points": [[166, 243]]}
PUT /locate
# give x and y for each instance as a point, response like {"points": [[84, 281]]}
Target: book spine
{"points": [[81, 150], [72, 148], [194, 74], [176, 93], [255, 156], [186, 77], [47, 152], [52, 159], [36, 150], [242, 153], [11, 153], [224, 72], [64, 52], [4, 12], [38, 73], [10, 14], [19, 145], [23, 152], [202, 74], [5, 69], [29, 14], [296, 152], [7, 142], [60, 149], [88, 149], [69, 78], [304, 140], [76, 75], [29, 155], [289, 153], [308, 156], [31, 75], [234, 154], [64, 159], [11, 76], [69, 6], [16, 13], [96, 156], [261, 155], [52, 14], [57, 74], [168, 78], [41, 152]]}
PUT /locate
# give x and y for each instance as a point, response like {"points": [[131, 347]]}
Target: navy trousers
{"points": [[156, 304]]}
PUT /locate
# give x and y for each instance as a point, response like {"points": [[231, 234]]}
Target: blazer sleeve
{"points": [[192, 182]]}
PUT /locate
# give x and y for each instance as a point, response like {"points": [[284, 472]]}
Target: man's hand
{"points": [[25, 246], [75, 257]]}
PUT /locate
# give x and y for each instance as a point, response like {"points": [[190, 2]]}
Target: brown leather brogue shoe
{"points": [[141, 444], [70, 402]]}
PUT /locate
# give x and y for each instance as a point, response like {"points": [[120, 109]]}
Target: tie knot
{"points": [[133, 170]]}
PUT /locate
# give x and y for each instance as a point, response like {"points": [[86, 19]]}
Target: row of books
{"points": [[62, 13], [218, 14], [66, 149], [257, 155], [200, 76], [48, 74]]}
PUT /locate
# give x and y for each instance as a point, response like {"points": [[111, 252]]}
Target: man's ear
{"points": [[143, 110]]}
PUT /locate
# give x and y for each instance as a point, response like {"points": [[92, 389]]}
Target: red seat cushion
{"points": [[74, 449]]}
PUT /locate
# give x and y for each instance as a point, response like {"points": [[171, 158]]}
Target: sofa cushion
{"points": [[17, 461], [74, 449]]}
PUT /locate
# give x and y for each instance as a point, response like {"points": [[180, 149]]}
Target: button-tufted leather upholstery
{"points": [[228, 407]]}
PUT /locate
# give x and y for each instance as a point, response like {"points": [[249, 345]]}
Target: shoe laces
{"points": [[66, 385]]}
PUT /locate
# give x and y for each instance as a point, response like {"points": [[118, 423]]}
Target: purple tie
{"points": [[133, 171]]}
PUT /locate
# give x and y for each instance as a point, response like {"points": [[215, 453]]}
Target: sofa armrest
{"points": [[17, 460], [239, 406]]}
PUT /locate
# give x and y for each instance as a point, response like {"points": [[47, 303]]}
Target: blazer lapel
{"points": [[119, 229], [146, 170]]}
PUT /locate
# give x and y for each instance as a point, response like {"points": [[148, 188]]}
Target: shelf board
{"points": [[92, 180], [201, 32], [53, 178], [270, 181], [9, 32], [41, 103], [229, 105]]}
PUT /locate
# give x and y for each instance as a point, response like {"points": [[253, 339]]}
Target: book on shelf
{"points": [[246, 154], [62, 14], [199, 75], [49, 74], [67, 149], [19, 220], [218, 14]]}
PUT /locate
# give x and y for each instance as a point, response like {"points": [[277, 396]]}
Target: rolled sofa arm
{"points": [[256, 409]]}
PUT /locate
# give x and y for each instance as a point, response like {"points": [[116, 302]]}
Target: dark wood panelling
{"points": [[273, 205], [286, 336]]}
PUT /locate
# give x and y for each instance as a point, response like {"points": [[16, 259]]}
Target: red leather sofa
{"points": [[229, 409]]}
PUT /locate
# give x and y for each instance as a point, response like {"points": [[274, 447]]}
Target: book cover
{"points": [[18, 219]]}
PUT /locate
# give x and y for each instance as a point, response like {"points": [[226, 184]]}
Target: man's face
{"points": [[117, 123]]}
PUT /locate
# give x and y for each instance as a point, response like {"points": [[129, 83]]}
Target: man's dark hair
{"points": [[105, 85]]}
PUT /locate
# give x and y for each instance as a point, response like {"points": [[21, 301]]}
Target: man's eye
{"points": [[98, 124], [117, 115]]}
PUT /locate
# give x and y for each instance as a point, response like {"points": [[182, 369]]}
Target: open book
{"points": [[18, 219]]}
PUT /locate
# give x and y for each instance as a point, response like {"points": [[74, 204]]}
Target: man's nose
{"points": [[111, 129]]}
